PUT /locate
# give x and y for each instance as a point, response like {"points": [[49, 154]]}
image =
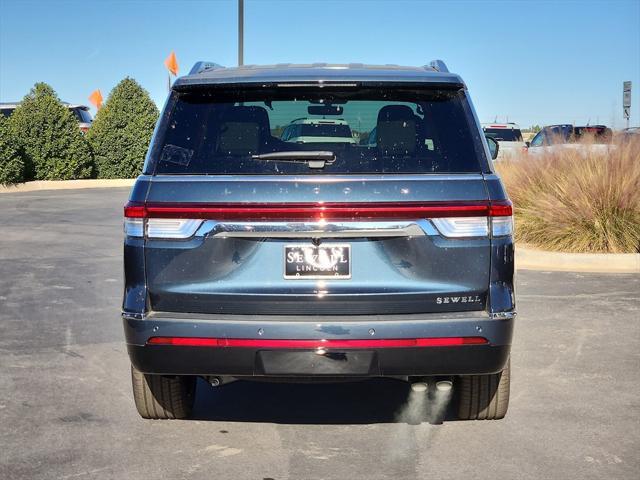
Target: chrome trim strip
{"points": [[314, 179], [316, 229], [133, 316], [503, 315]]}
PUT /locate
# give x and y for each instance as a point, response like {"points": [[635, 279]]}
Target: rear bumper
{"points": [[370, 361]]}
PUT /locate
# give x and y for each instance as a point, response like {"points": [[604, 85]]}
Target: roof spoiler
{"points": [[438, 66], [201, 66]]}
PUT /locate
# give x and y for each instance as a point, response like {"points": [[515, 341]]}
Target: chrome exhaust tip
{"points": [[444, 386], [419, 387]]}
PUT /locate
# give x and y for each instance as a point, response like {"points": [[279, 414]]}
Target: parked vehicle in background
{"points": [[587, 138], [315, 130], [253, 257], [631, 133], [80, 112], [508, 136]]}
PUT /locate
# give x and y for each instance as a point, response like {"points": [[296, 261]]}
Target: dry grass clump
{"points": [[577, 200]]}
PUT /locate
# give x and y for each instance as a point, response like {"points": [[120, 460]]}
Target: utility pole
{"points": [[240, 33]]}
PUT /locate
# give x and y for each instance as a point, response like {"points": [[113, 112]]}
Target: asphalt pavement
{"points": [[67, 412]]}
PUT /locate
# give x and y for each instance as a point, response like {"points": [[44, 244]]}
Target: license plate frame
{"points": [[303, 268]]}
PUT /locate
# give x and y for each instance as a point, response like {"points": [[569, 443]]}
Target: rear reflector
{"points": [[318, 211], [314, 344]]}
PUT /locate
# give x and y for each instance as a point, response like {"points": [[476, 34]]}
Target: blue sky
{"points": [[531, 61]]}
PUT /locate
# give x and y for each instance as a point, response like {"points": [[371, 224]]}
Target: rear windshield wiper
{"points": [[315, 159]]}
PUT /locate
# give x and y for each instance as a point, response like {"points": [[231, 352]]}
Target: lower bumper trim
{"points": [[184, 360]]}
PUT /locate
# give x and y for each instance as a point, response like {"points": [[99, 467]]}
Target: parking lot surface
{"points": [[67, 412]]}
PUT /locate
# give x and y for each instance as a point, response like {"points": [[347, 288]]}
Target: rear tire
{"points": [[485, 397], [160, 397]]}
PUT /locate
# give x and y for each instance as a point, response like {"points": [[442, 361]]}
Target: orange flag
{"points": [[96, 99], [171, 63]]}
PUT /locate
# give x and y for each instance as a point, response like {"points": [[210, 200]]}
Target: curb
{"points": [[67, 185], [530, 259]]}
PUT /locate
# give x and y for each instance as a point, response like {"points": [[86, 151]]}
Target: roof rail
{"points": [[438, 66], [200, 67]]}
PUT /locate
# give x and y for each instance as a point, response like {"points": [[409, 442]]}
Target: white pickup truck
{"points": [[585, 139], [508, 136]]}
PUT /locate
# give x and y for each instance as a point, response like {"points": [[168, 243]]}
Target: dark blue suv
{"points": [[249, 256]]}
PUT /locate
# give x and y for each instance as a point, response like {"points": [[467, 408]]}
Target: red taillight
{"points": [[134, 211], [501, 209], [134, 220], [315, 344], [318, 211]]}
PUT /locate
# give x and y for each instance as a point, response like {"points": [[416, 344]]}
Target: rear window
{"points": [[398, 130], [82, 115], [504, 134], [597, 134]]}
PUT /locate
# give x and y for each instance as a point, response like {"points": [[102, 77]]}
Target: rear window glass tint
{"points": [[504, 134], [324, 130], [374, 130], [81, 115]]}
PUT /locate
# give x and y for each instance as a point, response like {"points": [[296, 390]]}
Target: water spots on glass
{"points": [[369, 131]]}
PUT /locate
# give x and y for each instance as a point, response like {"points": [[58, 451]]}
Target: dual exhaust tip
{"points": [[442, 386]]}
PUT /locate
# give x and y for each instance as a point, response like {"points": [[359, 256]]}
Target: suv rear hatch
{"points": [[240, 221]]}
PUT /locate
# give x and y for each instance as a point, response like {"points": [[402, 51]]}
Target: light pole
{"points": [[240, 33]]}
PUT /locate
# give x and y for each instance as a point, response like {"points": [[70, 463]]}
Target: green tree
{"points": [[11, 164], [49, 138], [122, 129]]}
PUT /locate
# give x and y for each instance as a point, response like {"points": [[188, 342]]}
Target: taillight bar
{"points": [[316, 344], [318, 211]]}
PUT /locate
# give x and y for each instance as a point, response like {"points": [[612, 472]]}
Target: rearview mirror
{"points": [[493, 147], [324, 110]]}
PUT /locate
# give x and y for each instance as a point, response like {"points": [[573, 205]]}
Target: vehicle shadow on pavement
{"points": [[364, 402]]}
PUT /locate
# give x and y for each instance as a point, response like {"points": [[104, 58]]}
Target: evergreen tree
{"points": [[49, 139], [121, 131], [11, 164]]}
